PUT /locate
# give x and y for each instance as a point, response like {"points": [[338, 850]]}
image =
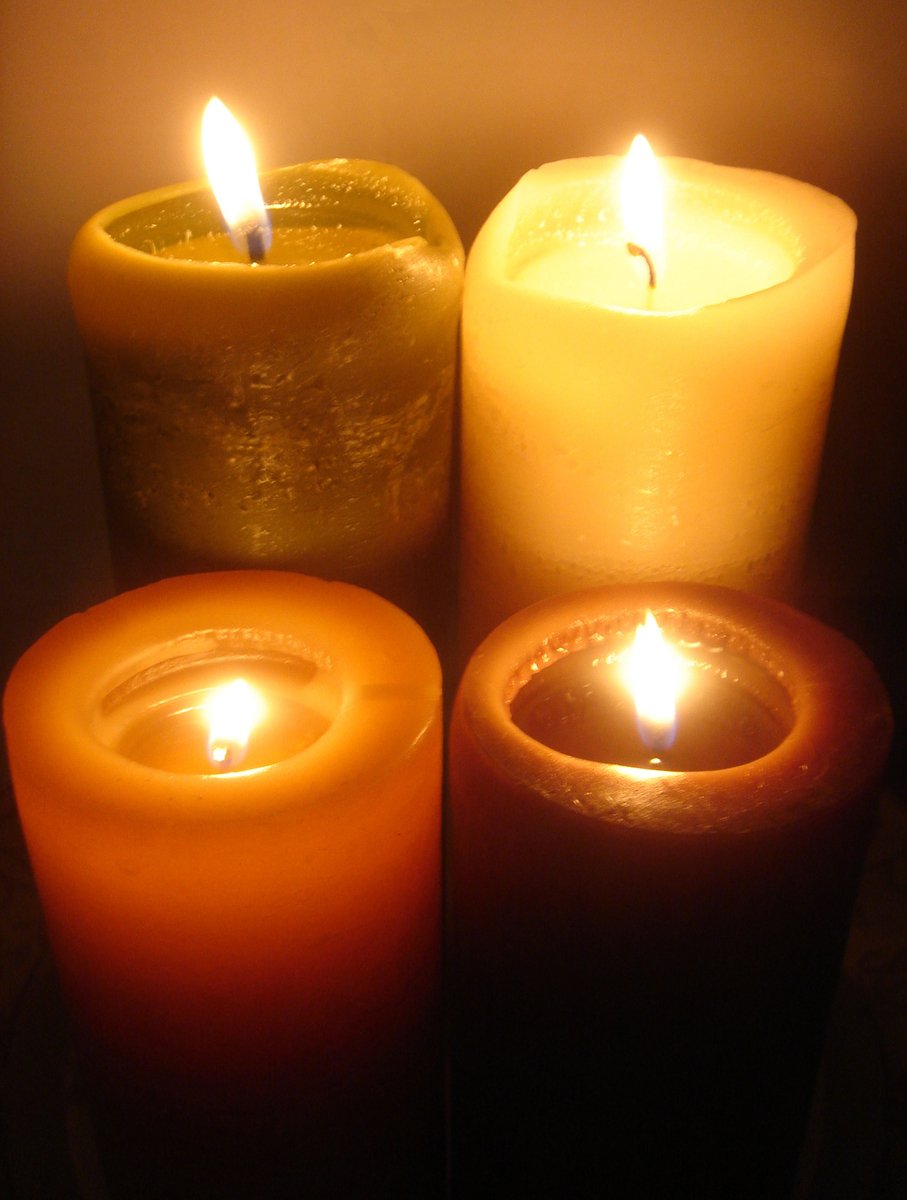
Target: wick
{"points": [[639, 252], [255, 244], [226, 754]]}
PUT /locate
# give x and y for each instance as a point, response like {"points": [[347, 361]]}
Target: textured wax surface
{"points": [[275, 455]]}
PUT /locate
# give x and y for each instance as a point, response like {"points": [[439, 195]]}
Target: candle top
{"points": [[710, 261], [729, 712], [348, 234], [809, 724], [172, 715], [323, 210], [119, 688], [728, 233]]}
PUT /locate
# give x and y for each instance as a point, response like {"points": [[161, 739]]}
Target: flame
{"points": [[642, 204], [232, 711], [230, 163], [655, 675]]}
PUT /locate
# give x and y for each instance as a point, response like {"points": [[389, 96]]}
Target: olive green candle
{"points": [[295, 413]]}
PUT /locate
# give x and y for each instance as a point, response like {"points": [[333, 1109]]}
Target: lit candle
{"points": [[646, 930], [646, 398], [294, 413], [245, 921], [233, 174]]}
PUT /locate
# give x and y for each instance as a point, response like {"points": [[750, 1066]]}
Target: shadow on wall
{"points": [[859, 554], [54, 544]]}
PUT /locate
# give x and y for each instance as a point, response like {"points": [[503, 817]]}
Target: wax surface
{"points": [[293, 414], [163, 721], [610, 434], [643, 958], [254, 950], [730, 711], [708, 260], [295, 246]]}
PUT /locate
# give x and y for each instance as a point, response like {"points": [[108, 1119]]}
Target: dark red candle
{"points": [[644, 955]]}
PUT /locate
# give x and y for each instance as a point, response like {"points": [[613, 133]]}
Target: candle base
{"points": [[668, 1057], [51, 1147], [384, 1141]]}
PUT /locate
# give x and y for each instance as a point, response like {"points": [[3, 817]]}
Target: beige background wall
{"points": [[102, 100]]}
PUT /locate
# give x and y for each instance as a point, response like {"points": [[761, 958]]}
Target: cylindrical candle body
{"points": [[296, 414], [253, 953], [644, 958], [612, 433]]}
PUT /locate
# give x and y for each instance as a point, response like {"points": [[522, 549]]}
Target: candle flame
{"points": [[642, 206], [655, 675], [232, 711], [230, 163]]}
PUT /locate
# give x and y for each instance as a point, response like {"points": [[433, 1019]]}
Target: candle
{"points": [[647, 930], [296, 413], [250, 946], [617, 431]]}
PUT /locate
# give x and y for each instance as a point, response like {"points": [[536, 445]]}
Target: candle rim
{"points": [[169, 673], [829, 231], [817, 666], [708, 656], [125, 297], [408, 209], [389, 703], [578, 636]]}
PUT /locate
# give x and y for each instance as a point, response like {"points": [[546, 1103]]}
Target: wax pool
{"points": [[296, 413], [250, 956], [731, 713], [644, 956]]}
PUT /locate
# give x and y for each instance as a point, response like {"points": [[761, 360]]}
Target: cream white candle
{"points": [[616, 431]]}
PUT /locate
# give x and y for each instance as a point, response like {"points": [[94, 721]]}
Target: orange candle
{"points": [[247, 944], [648, 926]]}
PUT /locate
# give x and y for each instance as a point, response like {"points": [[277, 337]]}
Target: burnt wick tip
{"points": [[640, 252], [255, 245]]}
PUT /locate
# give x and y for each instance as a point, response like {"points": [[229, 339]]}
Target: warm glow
{"points": [[642, 203], [232, 712], [655, 674], [230, 163]]}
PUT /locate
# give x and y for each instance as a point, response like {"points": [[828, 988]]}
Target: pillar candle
{"points": [[645, 945], [249, 952], [614, 431], [295, 413]]}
